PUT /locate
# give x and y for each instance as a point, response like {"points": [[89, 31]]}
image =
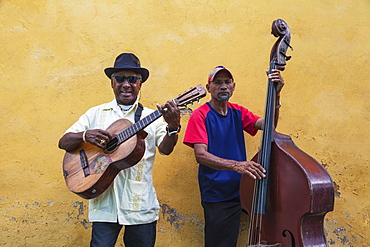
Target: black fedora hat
{"points": [[127, 61]]}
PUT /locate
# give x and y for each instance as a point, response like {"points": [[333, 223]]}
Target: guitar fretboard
{"points": [[139, 125]]}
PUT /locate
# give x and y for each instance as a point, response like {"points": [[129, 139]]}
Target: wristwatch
{"points": [[174, 132]]}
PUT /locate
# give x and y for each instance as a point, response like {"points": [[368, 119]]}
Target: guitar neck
{"points": [[139, 125], [193, 94]]}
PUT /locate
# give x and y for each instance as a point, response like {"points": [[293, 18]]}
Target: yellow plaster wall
{"points": [[51, 69]]}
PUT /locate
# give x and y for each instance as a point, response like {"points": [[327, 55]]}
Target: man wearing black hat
{"points": [[131, 199]]}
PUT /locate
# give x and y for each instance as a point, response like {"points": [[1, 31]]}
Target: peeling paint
{"points": [[196, 222], [35, 204], [80, 206], [336, 189], [85, 223], [343, 237], [172, 216]]}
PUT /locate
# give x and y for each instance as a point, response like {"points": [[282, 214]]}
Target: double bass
{"points": [[287, 208]]}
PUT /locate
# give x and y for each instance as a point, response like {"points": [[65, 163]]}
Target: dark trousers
{"points": [[222, 220], [105, 234]]}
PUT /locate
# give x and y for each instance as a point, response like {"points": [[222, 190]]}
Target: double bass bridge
{"points": [[264, 244]]}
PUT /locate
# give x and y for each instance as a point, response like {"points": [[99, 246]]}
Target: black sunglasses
{"points": [[131, 79]]}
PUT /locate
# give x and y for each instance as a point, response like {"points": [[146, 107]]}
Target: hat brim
{"points": [[213, 74], [142, 71]]}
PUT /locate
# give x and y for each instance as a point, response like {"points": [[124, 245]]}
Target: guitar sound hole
{"points": [[112, 145]]}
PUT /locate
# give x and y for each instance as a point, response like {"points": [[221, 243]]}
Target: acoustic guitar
{"points": [[89, 170]]}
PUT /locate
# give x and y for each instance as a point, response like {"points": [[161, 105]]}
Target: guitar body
{"points": [[89, 170]]}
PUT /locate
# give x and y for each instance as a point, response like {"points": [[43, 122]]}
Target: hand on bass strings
{"points": [[251, 168]]}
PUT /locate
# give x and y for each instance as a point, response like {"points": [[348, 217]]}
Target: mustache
{"points": [[223, 95]]}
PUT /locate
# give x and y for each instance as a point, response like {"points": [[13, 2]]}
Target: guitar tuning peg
{"points": [[198, 101]]}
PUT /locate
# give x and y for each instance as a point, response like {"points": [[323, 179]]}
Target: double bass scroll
{"points": [[287, 208]]}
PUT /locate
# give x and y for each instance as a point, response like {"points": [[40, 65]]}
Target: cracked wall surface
{"points": [[51, 69]]}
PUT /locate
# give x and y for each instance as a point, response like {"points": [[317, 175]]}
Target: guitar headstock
{"points": [[193, 94]]}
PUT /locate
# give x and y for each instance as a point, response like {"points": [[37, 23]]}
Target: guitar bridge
{"points": [[84, 162]]}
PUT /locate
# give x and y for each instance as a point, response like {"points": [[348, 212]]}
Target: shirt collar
{"points": [[113, 105]]}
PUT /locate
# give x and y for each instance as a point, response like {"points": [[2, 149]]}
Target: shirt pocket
{"points": [[135, 196], [100, 202]]}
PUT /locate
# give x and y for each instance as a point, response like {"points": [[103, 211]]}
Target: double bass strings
{"points": [[260, 186]]}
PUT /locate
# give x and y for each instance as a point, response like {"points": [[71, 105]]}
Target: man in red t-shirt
{"points": [[215, 131]]}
